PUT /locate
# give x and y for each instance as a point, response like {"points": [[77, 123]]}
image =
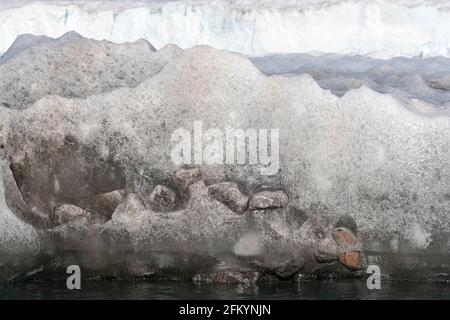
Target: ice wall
{"points": [[379, 28]]}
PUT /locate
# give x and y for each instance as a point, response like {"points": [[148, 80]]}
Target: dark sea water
{"points": [[342, 289]]}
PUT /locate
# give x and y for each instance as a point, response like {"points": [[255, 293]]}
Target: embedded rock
{"points": [[233, 277], [229, 194], [352, 260], [187, 176], [103, 205], [162, 198], [344, 237], [129, 209], [66, 213], [268, 200]]}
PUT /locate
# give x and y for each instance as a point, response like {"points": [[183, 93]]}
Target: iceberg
{"points": [[86, 166]]}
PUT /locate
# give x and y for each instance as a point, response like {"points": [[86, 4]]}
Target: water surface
{"points": [[341, 289]]}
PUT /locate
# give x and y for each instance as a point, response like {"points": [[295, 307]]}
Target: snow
{"points": [[379, 28]]}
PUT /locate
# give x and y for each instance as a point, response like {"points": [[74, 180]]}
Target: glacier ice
{"points": [[72, 66], [381, 160], [382, 28], [32, 57], [19, 242], [365, 154]]}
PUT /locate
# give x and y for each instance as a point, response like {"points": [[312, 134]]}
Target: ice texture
{"points": [[72, 66], [19, 242], [75, 67], [380, 160], [382, 28]]}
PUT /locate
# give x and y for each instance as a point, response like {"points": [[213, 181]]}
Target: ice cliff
{"points": [[382, 28], [92, 170]]}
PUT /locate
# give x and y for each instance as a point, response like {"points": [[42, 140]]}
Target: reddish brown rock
{"points": [[352, 260], [345, 237]]}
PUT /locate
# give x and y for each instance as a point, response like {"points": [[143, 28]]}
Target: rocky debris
{"points": [[440, 83], [187, 176], [162, 198], [268, 200], [233, 277], [67, 213], [229, 194], [352, 260], [286, 271], [103, 205], [128, 209], [350, 248], [201, 278]]}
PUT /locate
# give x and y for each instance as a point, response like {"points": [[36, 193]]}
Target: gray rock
{"points": [[228, 277], [201, 278], [287, 270], [162, 198], [269, 200], [327, 251], [229, 194], [103, 205], [67, 213], [187, 176], [129, 209]]}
